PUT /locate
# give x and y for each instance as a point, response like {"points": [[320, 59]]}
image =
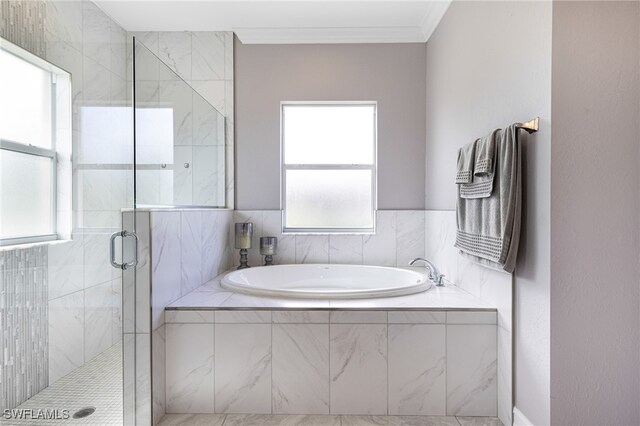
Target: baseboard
{"points": [[519, 419]]}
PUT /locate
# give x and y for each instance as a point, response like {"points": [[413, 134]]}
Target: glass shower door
{"points": [[179, 146], [180, 139], [61, 304]]}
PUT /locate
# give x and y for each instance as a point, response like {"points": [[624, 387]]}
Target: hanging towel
{"points": [[489, 228], [483, 169], [466, 159]]}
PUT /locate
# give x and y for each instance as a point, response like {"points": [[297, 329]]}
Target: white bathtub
{"points": [[326, 281]]}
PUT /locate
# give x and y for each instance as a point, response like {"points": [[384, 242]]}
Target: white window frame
{"points": [[27, 149], [284, 167]]}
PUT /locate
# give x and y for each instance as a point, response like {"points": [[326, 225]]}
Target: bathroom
{"points": [[139, 139]]}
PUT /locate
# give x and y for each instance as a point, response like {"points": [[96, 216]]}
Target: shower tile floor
{"points": [[97, 384], [313, 420]]}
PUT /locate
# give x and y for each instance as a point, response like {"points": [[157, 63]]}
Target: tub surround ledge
{"points": [[431, 353]]}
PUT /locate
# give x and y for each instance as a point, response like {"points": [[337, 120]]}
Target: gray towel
{"points": [[466, 159], [483, 169], [489, 228], [485, 155]]}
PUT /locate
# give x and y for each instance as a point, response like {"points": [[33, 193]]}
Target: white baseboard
{"points": [[519, 419]]}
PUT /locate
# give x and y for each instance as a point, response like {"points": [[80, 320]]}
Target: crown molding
{"points": [[432, 18], [330, 35]]}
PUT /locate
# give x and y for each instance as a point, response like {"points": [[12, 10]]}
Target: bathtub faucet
{"points": [[433, 275]]}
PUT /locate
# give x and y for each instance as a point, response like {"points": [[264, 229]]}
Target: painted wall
{"points": [[488, 65], [392, 74], [595, 340]]}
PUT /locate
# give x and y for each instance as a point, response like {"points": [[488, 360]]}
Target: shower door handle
{"points": [[112, 250]]}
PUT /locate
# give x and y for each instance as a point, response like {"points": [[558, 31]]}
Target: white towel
{"points": [[489, 227]]}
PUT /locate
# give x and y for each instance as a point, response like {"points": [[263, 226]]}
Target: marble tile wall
{"points": [[178, 251], [84, 41], [337, 362], [493, 287], [204, 60], [81, 282], [188, 249], [399, 238], [83, 292]]}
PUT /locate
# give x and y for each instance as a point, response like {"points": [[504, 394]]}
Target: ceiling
{"points": [[290, 21]]}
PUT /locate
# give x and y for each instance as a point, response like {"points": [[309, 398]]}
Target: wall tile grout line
{"points": [[446, 367], [387, 325], [330, 380]]}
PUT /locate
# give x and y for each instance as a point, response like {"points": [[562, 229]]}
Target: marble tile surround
{"points": [[401, 236], [178, 250], [493, 287], [302, 362], [188, 248]]}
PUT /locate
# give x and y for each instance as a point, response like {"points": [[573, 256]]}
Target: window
{"points": [[329, 167], [28, 158]]}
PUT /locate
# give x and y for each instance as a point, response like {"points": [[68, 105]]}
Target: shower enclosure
{"points": [[179, 144], [66, 173], [115, 132]]}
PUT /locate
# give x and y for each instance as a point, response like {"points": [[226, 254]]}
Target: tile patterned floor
{"points": [[98, 383], [300, 420]]}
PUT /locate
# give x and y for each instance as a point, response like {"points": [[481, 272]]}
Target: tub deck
{"points": [[211, 296], [429, 354]]}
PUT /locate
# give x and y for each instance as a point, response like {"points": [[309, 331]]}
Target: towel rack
{"points": [[530, 126]]}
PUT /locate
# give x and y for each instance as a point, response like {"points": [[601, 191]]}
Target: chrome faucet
{"points": [[433, 275]]}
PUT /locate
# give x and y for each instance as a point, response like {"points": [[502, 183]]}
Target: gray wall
{"points": [[392, 74], [488, 65], [594, 213]]}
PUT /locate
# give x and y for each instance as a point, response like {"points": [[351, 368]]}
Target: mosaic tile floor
{"points": [[291, 420], [97, 384]]}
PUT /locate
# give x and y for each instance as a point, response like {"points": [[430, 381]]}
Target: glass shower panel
{"points": [[67, 154], [180, 139], [179, 144]]}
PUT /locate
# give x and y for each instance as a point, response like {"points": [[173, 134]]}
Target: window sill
{"points": [[23, 246], [290, 232]]}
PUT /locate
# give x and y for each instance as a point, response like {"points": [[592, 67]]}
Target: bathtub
{"points": [[326, 281]]}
